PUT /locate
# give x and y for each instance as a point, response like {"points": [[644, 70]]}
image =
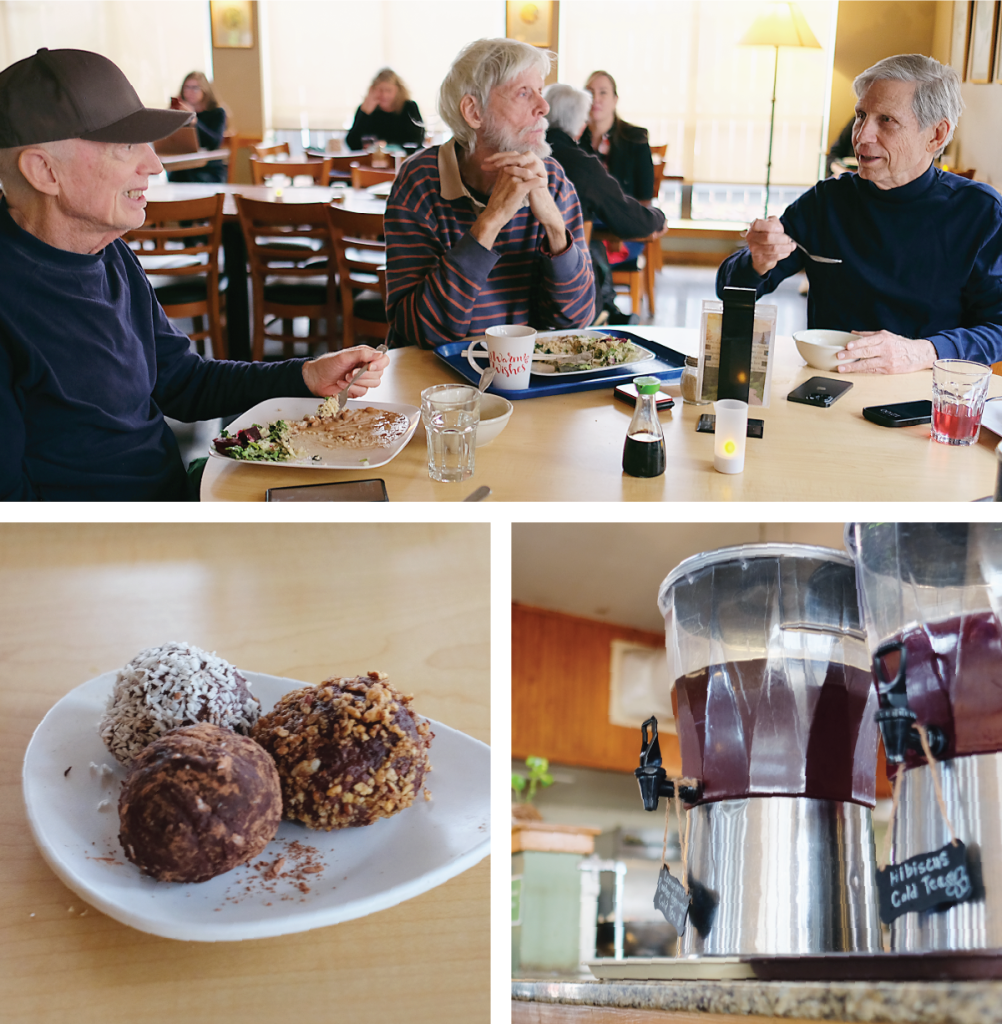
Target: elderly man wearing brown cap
{"points": [[89, 364]]}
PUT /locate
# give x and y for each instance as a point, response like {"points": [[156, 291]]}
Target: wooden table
{"points": [[569, 447], [186, 161], [234, 247], [80, 599]]}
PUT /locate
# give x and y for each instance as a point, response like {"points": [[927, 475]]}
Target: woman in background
{"points": [[623, 147], [387, 113], [197, 96]]}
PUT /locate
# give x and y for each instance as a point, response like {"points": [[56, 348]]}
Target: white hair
{"points": [[479, 68], [569, 107], [937, 88]]}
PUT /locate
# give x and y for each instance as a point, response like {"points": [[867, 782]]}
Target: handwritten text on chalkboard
{"points": [[671, 899], [929, 880]]}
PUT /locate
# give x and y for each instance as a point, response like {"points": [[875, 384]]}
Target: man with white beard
{"points": [[486, 229]]}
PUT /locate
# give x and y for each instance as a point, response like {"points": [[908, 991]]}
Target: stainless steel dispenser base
{"points": [[972, 791], [781, 875]]}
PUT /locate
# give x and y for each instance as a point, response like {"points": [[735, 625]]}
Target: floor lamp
{"points": [[781, 24]]}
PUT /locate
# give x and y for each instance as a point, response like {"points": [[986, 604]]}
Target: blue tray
{"points": [[666, 365]]}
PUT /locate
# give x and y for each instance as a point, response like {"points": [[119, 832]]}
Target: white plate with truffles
{"points": [[304, 878]]}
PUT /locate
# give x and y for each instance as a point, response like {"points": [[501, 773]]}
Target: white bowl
{"points": [[820, 348], [495, 412]]}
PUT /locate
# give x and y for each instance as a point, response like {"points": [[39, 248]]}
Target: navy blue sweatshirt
{"points": [[923, 261], [89, 366]]}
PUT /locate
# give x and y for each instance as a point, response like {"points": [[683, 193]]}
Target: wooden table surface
{"points": [[79, 599], [569, 447], [360, 200], [184, 161]]}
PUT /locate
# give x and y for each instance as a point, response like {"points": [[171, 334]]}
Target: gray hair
{"points": [[569, 107], [937, 88], [480, 67]]}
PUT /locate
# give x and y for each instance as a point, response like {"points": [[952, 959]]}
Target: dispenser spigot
{"points": [[653, 779], [895, 718]]}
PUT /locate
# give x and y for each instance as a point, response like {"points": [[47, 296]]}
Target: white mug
{"points": [[509, 352]]}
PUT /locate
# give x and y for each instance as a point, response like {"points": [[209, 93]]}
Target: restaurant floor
{"points": [[679, 293]]}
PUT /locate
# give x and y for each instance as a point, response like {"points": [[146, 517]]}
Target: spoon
{"points": [[810, 256], [479, 494], [485, 378]]}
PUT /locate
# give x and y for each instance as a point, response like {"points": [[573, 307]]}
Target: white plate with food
{"points": [[598, 349], [327, 877], [368, 435]]}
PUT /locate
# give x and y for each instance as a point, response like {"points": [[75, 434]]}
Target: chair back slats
{"points": [[361, 266], [262, 152], [179, 242], [318, 170], [363, 177], [288, 244]]}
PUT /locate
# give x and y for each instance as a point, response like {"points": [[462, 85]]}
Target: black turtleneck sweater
{"points": [[923, 261]]}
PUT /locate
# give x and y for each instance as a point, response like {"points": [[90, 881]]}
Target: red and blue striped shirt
{"points": [[443, 285]]}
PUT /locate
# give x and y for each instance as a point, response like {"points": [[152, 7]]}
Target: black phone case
{"points": [[708, 425], [894, 415], [348, 490], [819, 391]]}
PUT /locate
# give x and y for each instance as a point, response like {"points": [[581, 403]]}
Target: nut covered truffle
{"points": [[197, 802], [348, 751], [165, 687]]}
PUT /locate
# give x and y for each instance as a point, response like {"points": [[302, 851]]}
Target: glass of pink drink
{"points": [[959, 388]]}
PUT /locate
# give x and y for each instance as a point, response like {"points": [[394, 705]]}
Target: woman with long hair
{"points": [[623, 147], [387, 113], [198, 96]]}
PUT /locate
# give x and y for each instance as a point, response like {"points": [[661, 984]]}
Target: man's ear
{"points": [[470, 109], [940, 132], [38, 168]]}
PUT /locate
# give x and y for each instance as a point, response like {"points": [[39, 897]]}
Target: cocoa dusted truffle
{"points": [[198, 802], [165, 687], [348, 751]]}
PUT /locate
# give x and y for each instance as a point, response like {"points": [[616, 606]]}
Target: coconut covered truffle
{"points": [[197, 802], [348, 751], [166, 687]]}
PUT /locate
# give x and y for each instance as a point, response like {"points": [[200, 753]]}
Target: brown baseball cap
{"points": [[76, 94]]}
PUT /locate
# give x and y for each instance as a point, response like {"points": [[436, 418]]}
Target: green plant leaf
{"points": [[517, 782]]}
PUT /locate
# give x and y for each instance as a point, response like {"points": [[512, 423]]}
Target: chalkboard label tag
{"points": [[671, 899], [937, 879]]}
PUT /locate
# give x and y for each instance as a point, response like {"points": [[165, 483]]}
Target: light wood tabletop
{"points": [[569, 447], [356, 199], [78, 600], [184, 161]]}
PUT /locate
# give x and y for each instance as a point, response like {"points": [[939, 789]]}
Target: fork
{"points": [[811, 256], [342, 398]]}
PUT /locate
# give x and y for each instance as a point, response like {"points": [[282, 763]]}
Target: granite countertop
{"points": [[895, 1002]]}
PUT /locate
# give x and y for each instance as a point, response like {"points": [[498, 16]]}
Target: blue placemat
{"points": [[666, 365]]}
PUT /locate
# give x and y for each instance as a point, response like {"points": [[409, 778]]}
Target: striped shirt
{"points": [[443, 285]]}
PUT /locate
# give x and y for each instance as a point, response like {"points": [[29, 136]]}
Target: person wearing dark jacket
{"points": [[89, 362], [601, 196], [198, 97], [387, 113], [624, 148]]}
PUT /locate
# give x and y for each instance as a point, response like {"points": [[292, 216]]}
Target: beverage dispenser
{"points": [[774, 710], [931, 596]]}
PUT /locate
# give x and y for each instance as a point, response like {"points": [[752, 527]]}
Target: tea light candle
{"points": [[729, 435]]}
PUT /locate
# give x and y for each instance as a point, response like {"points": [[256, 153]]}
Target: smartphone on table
{"points": [[820, 391], [347, 490], [900, 414]]}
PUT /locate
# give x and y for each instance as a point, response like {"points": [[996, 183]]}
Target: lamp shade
{"points": [[780, 24]]}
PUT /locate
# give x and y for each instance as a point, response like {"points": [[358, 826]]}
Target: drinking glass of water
{"points": [[450, 413]]}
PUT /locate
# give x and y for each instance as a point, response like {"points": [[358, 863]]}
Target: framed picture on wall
{"points": [[982, 45], [998, 44], [232, 24], [959, 35], [531, 23]]}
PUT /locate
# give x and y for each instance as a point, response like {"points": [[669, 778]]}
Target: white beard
{"points": [[504, 141]]}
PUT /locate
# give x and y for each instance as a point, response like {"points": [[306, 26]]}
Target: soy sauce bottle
{"points": [[644, 451]]}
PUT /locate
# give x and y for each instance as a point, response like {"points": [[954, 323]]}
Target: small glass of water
{"points": [[450, 413]]}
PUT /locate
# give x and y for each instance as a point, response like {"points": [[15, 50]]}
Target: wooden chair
{"points": [[659, 152], [361, 267], [363, 177], [587, 232], [639, 279], [289, 282], [238, 144], [318, 170], [263, 152], [179, 249], [341, 165]]}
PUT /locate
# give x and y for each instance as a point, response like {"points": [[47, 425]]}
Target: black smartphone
{"points": [[628, 393], [901, 414], [708, 425], [820, 391], [348, 490]]}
